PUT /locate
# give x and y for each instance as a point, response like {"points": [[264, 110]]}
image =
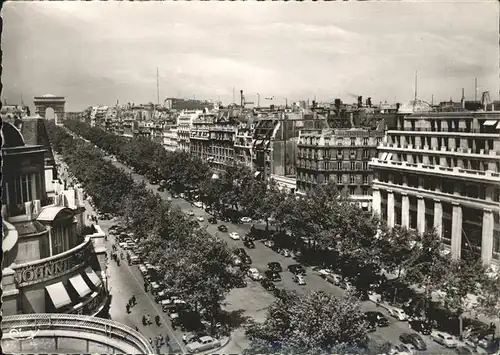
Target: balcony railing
{"points": [[77, 323]]}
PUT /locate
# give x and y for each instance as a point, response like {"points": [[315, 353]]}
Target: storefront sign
{"points": [[43, 272]]}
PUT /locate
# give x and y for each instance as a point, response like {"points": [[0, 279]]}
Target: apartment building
{"points": [[222, 134], [442, 170], [341, 156], [170, 137], [184, 125], [243, 140], [200, 142]]}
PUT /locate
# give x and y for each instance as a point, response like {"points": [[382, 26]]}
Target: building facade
{"points": [[50, 261], [170, 137], [340, 156], [222, 144], [199, 138], [184, 124], [442, 170]]}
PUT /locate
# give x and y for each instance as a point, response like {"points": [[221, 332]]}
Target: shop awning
{"points": [[389, 157], [80, 285], [93, 276], [490, 123], [384, 155], [58, 295]]}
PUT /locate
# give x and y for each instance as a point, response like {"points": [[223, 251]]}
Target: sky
{"points": [[95, 53]]}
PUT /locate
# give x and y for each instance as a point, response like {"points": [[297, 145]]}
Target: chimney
{"points": [[360, 101], [398, 105], [242, 99], [37, 206], [28, 206], [369, 102], [462, 101]]}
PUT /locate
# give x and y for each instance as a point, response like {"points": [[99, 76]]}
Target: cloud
{"points": [[96, 52]]}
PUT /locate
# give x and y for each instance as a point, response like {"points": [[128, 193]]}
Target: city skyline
{"points": [[96, 53]]}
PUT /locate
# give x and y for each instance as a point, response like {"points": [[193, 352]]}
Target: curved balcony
{"points": [[57, 333]]}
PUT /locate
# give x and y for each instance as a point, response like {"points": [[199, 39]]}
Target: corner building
{"points": [[52, 262], [442, 170]]}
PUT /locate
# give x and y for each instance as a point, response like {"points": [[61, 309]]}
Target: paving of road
{"points": [[254, 300]]}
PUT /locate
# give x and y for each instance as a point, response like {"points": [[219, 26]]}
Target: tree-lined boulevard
{"points": [[197, 262]]}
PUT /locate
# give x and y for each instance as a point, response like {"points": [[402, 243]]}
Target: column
{"points": [[438, 217], [456, 231], [420, 214], [487, 242], [390, 208], [405, 211], [376, 201]]}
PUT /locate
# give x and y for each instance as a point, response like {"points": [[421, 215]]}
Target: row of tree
{"points": [[337, 233], [192, 263]]}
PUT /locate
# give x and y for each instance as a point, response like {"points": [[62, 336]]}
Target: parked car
{"points": [[222, 228], [198, 204], [236, 260], [335, 279], [203, 344], [413, 339], [275, 266], [234, 236], [299, 279], [240, 251], [286, 253], [249, 244], [192, 337], [254, 274], [268, 284], [407, 349], [246, 259], [444, 339], [297, 269], [378, 317], [200, 219], [371, 326], [464, 350], [269, 243], [420, 326], [245, 220], [190, 213], [212, 220], [398, 313], [272, 275]]}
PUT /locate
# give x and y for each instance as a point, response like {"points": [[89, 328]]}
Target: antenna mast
{"points": [[233, 94], [475, 91], [416, 82], [157, 88]]}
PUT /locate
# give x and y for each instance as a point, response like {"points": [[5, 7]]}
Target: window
{"points": [[366, 153], [339, 154], [365, 191], [339, 179], [365, 180], [339, 165], [353, 153], [352, 179], [379, 140], [365, 165], [353, 141], [353, 165], [352, 190], [339, 141], [365, 141], [23, 189]]}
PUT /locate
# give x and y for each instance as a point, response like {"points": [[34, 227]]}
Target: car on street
{"points": [[234, 236], [246, 259], [333, 278], [190, 213], [182, 195], [268, 284], [198, 204], [236, 260], [286, 253], [169, 199], [371, 326], [464, 350], [192, 337], [212, 220], [245, 220], [254, 274], [421, 326], [378, 318], [269, 243], [202, 344], [398, 313], [444, 339], [275, 266], [240, 251], [299, 279], [200, 219], [413, 339], [407, 349], [297, 269], [323, 272], [249, 244], [272, 275], [222, 228]]}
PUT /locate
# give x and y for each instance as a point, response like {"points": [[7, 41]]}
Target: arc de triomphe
{"points": [[57, 103]]}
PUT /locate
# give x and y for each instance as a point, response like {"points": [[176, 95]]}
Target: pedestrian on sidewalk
{"points": [[150, 341], [160, 340], [134, 300]]}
